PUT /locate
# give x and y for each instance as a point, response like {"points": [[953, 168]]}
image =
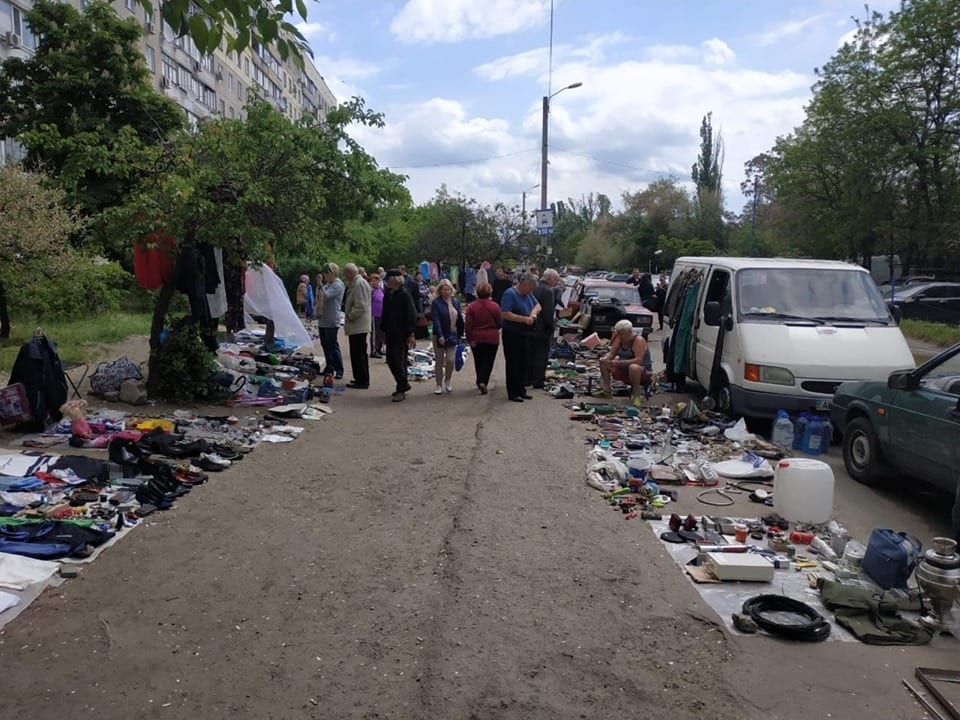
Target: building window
{"points": [[19, 24], [148, 16], [195, 88], [232, 113], [246, 66], [208, 97], [151, 59], [223, 108], [128, 4], [184, 77], [239, 90], [230, 82]]}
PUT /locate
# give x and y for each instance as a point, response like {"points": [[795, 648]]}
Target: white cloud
{"points": [[531, 62], [345, 69], [788, 29], [316, 31], [447, 21], [717, 52]]}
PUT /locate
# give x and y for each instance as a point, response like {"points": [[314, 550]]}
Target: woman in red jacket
{"points": [[483, 333]]}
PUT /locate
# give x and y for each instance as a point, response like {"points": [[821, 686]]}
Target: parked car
{"points": [[602, 303], [936, 302], [618, 277], [886, 288], [909, 424]]}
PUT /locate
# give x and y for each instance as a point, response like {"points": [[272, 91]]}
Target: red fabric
{"points": [[153, 260], [483, 322]]}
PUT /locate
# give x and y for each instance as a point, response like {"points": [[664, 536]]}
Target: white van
{"points": [[789, 331]]}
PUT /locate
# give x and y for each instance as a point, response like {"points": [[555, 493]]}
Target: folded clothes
{"points": [[18, 484]]}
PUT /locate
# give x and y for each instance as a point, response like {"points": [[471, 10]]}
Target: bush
{"points": [[82, 289], [180, 368]]}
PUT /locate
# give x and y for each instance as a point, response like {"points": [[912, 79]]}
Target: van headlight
{"points": [[767, 374]]}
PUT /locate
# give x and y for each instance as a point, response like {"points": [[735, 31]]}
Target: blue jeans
{"points": [[331, 349]]}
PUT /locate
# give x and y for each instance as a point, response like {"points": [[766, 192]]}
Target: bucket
{"points": [[803, 490]]}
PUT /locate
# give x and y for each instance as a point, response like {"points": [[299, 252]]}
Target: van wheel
{"points": [[861, 453], [723, 398]]}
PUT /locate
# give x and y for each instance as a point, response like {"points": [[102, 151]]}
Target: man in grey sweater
{"points": [[356, 326], [329, 301]]}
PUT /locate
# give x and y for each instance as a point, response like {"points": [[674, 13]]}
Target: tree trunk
{"points": [[4, 313], [159, 317]]}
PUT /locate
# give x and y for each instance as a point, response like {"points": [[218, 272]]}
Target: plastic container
{"points": [[799, 430], [782, 433], [812, 443], [827, 435], [803, 490], [638, 466]]}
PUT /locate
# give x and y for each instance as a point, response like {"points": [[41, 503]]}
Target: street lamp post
{"points": [[650, 260], [523, 205], [543, 142]]}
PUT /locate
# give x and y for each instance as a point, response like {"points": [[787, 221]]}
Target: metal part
{"points": [[929, 676], [928, 706], [938, 576]]}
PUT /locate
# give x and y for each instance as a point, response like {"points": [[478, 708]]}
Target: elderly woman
{"points": [[447, 320], [520, 310], [625, 362], [483, 323]]}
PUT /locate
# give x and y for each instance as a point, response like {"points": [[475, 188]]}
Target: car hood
{"points": [[636, 309], [827, 352]]}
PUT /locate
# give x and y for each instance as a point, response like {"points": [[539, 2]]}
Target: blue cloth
{"points": [[513, 301], [470, 282], [440, 315], [19, 484], [309, 300]]}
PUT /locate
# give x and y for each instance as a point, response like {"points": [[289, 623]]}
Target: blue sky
{"points": [[460, 83]]}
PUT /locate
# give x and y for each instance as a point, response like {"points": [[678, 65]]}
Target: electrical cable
{"points": [[761, 607]]}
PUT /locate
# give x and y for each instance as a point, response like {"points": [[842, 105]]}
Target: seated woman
{"points": [[625, 362]]}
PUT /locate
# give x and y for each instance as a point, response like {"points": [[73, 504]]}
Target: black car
{"points": [[935, 302]]}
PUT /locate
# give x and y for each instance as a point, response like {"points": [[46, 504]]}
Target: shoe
{"points": [[398, 396], [353, 384], [406, 388], [516, 399], [637, 402], [448, 387], [483, 388], [525, 396], [603, 394], [439, 390], [338, 376], [212, 459]]}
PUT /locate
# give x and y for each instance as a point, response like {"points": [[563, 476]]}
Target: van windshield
{"points": [[818, 295]]}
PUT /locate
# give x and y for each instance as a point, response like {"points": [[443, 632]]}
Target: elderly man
{"points": [[520, 310], [329, 300], [398, 323], [545, 327], [356, 326]]}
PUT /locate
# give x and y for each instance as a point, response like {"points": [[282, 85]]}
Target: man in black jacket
{"points": [[544, 329], [398, 324]]}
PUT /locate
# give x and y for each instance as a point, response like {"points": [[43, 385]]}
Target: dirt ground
{"points": [[437, 558]]}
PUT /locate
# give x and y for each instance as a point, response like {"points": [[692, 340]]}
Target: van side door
{"points": [[705, 346]]}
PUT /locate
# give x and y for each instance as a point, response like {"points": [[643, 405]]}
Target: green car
{"points": [[910, 425]]}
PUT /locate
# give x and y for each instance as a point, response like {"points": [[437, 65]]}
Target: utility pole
{"points": [[543, 152], [753, 223]]}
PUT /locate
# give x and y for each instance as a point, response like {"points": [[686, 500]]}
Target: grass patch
{"points": [[76, 340], [935, 333]]}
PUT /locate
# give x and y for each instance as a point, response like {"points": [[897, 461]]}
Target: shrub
{"points": [[80, 288], [180, 368]]}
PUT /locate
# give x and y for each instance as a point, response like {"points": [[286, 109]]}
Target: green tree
{"points": [[82, 104], [36, 223], [663, 209], [707, 175], [257, 184]]}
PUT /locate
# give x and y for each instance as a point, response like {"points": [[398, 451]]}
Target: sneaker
{"points": [[637, 402], [439, 390], [214, 459], [448, 387], [483, 389], [603, 394], [398, 397]]}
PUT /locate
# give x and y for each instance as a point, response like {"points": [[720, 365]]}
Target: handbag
{"points": [[891, 557]]}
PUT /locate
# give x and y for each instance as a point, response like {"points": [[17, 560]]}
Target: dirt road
{"points": [[437, 558]]}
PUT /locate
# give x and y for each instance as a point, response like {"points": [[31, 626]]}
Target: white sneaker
{"points": [[439, 390], [449, 387], [215, 459]]}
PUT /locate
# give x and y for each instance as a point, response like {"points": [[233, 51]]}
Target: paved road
{"points": [[438, 558]]}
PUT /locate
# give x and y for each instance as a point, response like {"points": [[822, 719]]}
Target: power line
{"points": [[462, 162], [613, 162]]}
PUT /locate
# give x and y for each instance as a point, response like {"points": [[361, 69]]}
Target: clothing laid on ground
{"points": [[50, 539]]}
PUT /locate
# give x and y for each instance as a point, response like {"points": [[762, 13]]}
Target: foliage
{"points": [[602, 246], [240, 22], [86, 288], [707, 176], [875, 166], [79, 340], [183, 365], [571, 221], [82, 104], [662, 210], [931, 332], [33, 243]]}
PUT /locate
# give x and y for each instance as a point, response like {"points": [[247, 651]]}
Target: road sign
{"points": [[544, 222], [544, 231]]}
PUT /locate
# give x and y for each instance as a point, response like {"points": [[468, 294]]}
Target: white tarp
{"points": [[265, 295]]}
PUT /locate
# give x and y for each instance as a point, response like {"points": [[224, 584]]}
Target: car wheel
{"points": [[861, 453], [723, 397]]}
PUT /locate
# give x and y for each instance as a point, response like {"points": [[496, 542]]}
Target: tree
{"points": [[663, 209], [707, 175], [251, 185], [82, 104], [36, 224]]}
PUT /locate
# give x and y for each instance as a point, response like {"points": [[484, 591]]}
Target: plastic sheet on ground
{"points": [[265, 295]]}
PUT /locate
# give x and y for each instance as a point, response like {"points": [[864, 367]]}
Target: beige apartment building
{"points": [[203, 85]]}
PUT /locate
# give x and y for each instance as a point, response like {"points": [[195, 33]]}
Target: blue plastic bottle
{"points": [[813, 436], [782, 433], [800, 430]]}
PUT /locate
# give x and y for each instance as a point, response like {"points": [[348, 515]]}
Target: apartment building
{"points": [[203, 85]]}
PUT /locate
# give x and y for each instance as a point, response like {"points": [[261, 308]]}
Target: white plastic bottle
{"points": [[782, 433]]}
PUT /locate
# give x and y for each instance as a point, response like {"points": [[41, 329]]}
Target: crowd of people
{"points": [[395, 309]]}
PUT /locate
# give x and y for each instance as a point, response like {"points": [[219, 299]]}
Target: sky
{"points": [[461, 82]]}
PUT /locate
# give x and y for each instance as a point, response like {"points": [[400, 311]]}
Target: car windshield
{"points": [[625, 294], [819, 295]]}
